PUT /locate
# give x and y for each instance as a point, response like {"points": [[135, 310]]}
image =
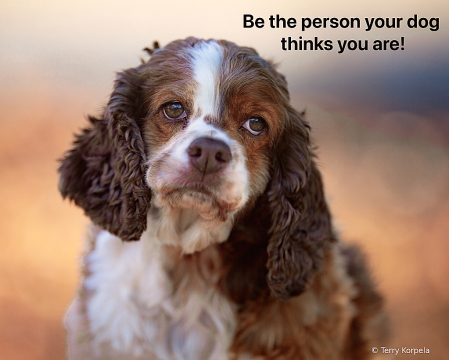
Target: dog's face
{"points": [[214, 112], [194, 137]]}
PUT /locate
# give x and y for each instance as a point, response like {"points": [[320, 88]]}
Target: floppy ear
{"points": [[301, 224], [104, 173]]}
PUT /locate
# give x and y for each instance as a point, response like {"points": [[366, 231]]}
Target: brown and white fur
{"points": [[212, 240]]}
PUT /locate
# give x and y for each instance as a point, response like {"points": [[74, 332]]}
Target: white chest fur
{"points": [[133, 313]]}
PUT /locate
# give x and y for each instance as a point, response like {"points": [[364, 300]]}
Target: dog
{"points": [[211, 236]]}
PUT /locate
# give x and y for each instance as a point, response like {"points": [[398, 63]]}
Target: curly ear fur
{"points": [[104, 173], [301, 224]]}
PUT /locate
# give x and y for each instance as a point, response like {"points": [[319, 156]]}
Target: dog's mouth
{"points": [[196, 190], [198, 198], [212, 197]]}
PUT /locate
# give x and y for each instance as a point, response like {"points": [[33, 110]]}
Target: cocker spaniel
{"points": [[212, 236]]}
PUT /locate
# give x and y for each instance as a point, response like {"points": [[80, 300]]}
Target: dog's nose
{"points": [[209, 155]]}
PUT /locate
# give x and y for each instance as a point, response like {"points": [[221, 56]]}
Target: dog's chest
{"points": [[140, 303]]}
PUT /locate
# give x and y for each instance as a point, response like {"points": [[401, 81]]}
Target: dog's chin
{"points": [[198, 200], [192, 218]]}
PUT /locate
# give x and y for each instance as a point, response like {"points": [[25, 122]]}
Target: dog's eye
{"points": [[174, 111], [255, 125]]}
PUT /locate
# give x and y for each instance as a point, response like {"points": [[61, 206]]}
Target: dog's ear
{"points": [[301, 224], [104, 172]]}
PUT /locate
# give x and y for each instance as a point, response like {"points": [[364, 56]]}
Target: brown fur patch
{"points": [[314, 325]]}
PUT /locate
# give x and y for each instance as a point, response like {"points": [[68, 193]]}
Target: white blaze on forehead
{"points": [[207, 58]]}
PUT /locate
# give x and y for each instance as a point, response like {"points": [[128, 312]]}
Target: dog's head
{"points": [[193, 137]]}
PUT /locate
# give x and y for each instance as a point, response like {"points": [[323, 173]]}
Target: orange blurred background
{"points": [[380, 119]]}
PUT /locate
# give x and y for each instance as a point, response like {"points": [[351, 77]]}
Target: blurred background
{"points": [[380, 119]]}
